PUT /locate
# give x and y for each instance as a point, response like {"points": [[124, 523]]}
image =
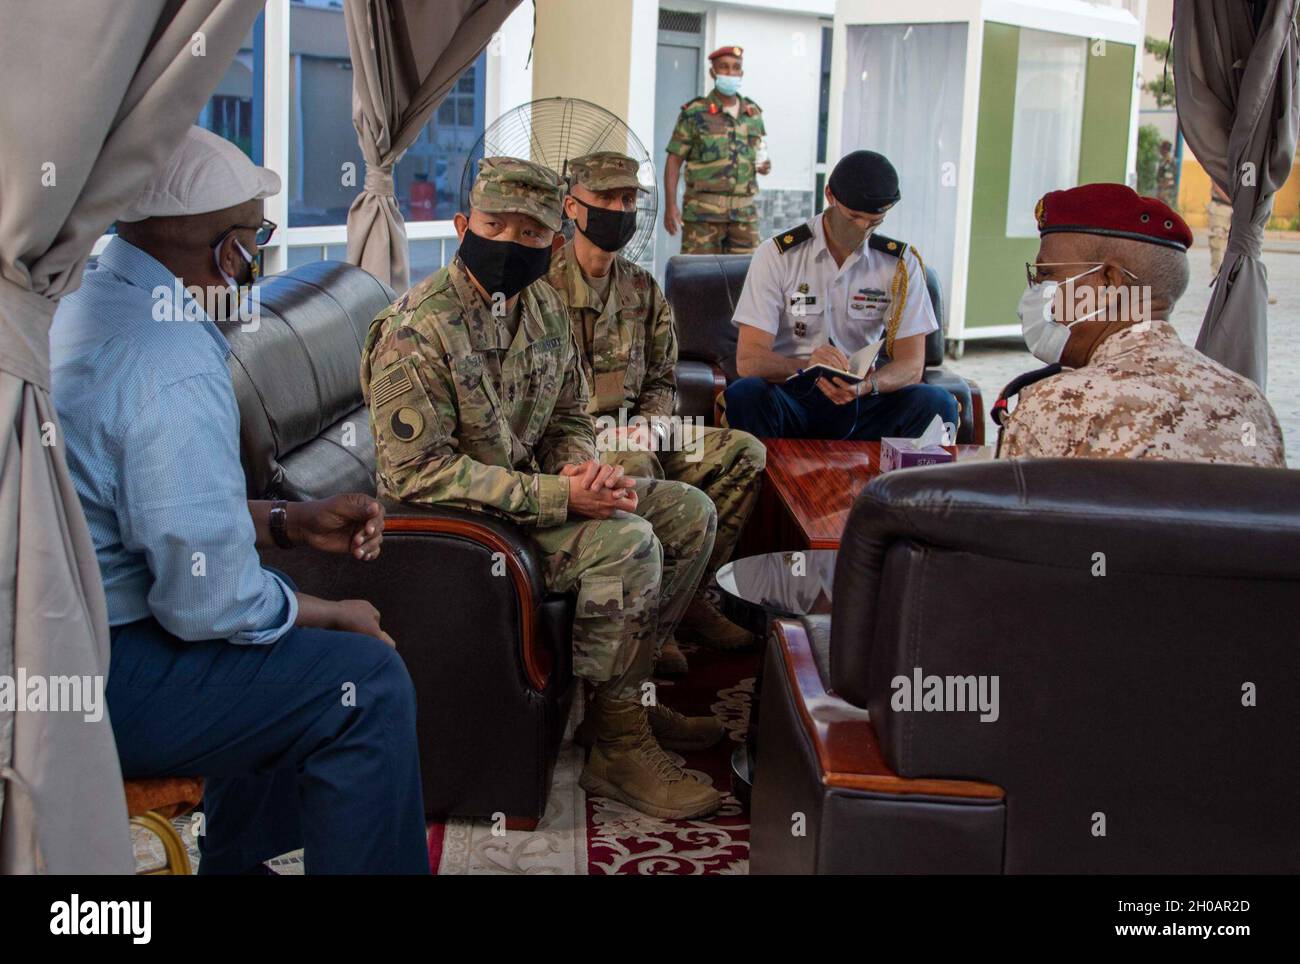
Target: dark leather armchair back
{"points": [[1138, 617], [304, 430], [703, 291]]}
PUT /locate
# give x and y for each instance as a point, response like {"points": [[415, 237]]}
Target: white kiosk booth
{"points": [[984, 106]]}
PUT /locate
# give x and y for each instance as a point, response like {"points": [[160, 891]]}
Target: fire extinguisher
{"points": [[422, 198]]}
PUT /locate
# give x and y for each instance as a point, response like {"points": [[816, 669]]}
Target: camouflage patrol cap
{"points": [[511, 184], [605, 171]]}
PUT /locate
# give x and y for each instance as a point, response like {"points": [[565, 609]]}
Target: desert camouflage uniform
{"points": [[1220, 218], [466, 415], [1167, 181], [1145, 394], [719, 215], [628, 350]]}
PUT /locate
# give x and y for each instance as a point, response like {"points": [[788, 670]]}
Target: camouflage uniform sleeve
{"points": [[570, 435], [659, 388], [680, 142], [416, 425]]}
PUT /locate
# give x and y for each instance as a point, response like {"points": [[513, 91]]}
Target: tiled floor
{"points": [[993, 363]]}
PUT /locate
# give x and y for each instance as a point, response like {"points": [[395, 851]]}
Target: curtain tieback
{"points": [[379, 180], [1246, 240], [25, 333]]}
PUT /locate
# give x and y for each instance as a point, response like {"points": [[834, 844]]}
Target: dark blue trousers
{"points": [[308, 742], [767, 410]]}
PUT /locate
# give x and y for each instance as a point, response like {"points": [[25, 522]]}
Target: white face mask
{"points": [[243, 252], [1044, 335]]}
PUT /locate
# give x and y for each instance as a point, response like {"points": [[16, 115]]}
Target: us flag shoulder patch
{"points": [[389, 385]]}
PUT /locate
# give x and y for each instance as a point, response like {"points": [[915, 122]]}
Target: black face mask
{"points": [[606, 229], [505, 266]]}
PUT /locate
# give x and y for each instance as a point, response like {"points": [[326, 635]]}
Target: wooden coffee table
{"points": [[809, 488]]}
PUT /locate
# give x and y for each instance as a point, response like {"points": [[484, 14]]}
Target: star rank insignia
{"points": [[893, 245]]}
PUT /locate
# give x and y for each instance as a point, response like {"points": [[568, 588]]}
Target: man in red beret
{"points": [[1110, 267], [720, 138]]}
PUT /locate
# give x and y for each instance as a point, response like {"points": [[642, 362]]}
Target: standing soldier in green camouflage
{"points": [[720, 137], [477, 401], [628, 350]]}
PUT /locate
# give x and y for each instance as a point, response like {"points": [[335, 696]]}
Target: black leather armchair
{"points": [[703, 291], [461, 592], [1134, 614]]}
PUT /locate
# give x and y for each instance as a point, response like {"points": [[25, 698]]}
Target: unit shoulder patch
{"points": [[794, 237]]}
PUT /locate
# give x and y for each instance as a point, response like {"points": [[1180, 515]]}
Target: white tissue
{"points": [[936, 433]]}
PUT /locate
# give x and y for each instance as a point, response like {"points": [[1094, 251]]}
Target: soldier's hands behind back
{"points": [[672, 219]]}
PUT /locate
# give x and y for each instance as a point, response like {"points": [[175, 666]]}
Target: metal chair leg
{"points": [[177, 857]]}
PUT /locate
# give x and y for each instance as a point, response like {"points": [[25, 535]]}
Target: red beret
{"points": [[1115, 210], [727, 52]]}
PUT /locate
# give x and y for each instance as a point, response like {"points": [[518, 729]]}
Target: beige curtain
{"points": [[406, 54], [96, 96], [1238, 85]]}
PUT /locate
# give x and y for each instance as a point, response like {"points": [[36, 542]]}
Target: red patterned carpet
{"points": [[594, 835], [582, 835]]}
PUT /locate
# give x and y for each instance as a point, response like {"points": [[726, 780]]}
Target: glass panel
{"points": [[326, 170], [301, 256], [235, 109], [1048, 124], [336, 252], [891, 69], [428, 256]]}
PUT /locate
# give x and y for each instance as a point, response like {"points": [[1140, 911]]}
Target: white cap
{"points": [[207, 173]]}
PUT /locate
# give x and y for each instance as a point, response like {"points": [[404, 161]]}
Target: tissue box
{"points": [[898, 453]]}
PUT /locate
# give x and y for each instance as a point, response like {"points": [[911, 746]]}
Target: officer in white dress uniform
{"points": [[821, 291]]}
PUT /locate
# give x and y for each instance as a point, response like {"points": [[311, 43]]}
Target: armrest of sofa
{"points": [[699, 383], [970, 403], [842, 735], [437, 562]]}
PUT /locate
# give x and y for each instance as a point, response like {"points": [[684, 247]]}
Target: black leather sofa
{"points": [[703, 290], [1128, 609], [462, 593]]}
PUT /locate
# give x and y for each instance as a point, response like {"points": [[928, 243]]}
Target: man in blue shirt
{"points": [[296, 710]]}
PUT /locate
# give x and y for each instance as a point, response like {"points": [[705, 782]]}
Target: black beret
{"points": [[865, 181]]}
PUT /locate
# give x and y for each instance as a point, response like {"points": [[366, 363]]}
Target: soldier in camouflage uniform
{"points": [[1167, 176], [719, 137], [477, 400], [628, 349], [1130, 388]]}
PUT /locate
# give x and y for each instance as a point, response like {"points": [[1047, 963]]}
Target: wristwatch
{"points": [[875, 389], [280, 524]]}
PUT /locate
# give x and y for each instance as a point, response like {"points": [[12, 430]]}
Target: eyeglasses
{"points": [[1031, 268], [265, 231]]}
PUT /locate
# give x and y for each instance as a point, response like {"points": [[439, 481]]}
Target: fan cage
{"points": [[553, 130]]}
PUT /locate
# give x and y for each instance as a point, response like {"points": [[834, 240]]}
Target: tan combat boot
{"points": [[671, 729], [683, 733], [702, 623], [671, 661], [627, 765]]}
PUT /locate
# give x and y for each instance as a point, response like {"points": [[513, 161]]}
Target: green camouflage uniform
{"points": [[466, 415], [628, 350], [718, 211]]}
